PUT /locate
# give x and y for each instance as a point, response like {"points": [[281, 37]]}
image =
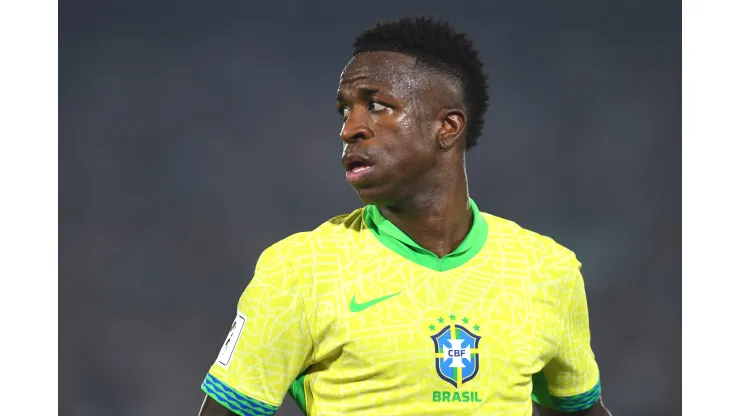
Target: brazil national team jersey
{"points": [[355, 318]]}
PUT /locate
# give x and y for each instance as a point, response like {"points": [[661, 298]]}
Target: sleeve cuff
{"points": [[578, 402], [237, 402]]}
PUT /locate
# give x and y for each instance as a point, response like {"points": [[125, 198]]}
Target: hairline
{"points": [[422, 65]]}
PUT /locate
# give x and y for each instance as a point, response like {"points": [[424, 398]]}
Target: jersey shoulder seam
{"points": [[496, 223]]}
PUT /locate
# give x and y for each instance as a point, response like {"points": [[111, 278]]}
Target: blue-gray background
{"points": [[195, 134]]}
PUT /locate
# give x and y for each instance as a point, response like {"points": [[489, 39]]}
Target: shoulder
{"points": [[339, 231], [545, 255]]}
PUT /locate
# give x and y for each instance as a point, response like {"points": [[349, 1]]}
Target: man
{"points": [[418, 303]]}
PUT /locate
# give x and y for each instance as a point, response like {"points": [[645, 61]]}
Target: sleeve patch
{"points": [[227, 350]]}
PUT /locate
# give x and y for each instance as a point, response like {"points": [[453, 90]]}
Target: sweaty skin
{"points": [[407, 123]]}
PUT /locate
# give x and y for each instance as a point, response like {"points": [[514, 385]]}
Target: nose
{"points": [[355, 127]]}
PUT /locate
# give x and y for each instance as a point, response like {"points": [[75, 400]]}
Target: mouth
{"points": [[357, 167]]}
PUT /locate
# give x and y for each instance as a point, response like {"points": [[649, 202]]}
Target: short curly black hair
{"points": [[438, 45]]}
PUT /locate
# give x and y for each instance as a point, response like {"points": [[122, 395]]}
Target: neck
{"points": [[437, 219]]}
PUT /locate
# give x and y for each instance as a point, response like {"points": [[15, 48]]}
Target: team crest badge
{"points": [[456, 350]]}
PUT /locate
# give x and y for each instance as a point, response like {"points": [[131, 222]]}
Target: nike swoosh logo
{"points": [[359, 307]]}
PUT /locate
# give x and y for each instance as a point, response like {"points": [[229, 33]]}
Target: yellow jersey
{"points": [[355, 318]]}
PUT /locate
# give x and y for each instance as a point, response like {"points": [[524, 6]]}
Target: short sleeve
{"points": [[268, 345], [570, 380]]}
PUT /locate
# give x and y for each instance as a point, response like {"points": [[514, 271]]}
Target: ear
{"points": [[452, 128]]}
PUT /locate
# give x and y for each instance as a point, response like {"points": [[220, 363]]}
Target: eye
{"points": [[376, 106], [344, 112]]}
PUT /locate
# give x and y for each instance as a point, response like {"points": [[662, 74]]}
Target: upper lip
{"points": [[351, 159]]}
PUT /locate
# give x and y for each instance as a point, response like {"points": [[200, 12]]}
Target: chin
{"points": [[374, 195]]}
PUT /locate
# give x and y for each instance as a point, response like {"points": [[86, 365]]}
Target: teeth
{"points": [[360, 168]]}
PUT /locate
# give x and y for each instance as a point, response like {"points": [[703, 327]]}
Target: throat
{"points": [[440, 242], [439, 231]]}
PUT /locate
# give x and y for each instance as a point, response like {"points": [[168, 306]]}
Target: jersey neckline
{"points": [[393, 238]]}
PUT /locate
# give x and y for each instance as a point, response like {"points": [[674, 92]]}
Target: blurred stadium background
{"points": [[195, 134]]}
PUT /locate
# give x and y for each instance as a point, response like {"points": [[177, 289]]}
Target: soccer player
{"points": [[418, 303]]}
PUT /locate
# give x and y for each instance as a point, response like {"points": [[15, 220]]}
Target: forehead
{"points": [[389, 69]]}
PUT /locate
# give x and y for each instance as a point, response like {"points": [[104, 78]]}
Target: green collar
{"points": [[395, 239]]}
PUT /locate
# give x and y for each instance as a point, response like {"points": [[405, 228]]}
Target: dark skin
{"points": [[404, 126], [412, 135], [213, 408]]}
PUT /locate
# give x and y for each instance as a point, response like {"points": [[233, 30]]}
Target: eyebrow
{"points": [[363, 91]]}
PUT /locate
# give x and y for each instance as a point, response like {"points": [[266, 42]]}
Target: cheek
{"points": [[420, 124], [404, 139], [406, 145], [408, 156], [410, 132], [406, 125], [417, 138]]}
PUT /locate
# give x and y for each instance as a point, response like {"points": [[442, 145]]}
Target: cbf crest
{"points": [[456, 350]]}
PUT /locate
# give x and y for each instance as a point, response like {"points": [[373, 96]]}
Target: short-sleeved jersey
{"points": [[355, 318]]}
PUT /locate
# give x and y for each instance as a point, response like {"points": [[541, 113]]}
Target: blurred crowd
{"points": [[194, 136]]}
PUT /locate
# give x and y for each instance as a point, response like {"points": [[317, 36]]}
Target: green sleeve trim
{"points": [[298, 392], [542, 396], [235, 401]]}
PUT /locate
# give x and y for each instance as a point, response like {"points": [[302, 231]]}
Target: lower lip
{"points": [[356, 177]]}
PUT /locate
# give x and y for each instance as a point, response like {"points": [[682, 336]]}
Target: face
{"points": [[389, 127]]}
